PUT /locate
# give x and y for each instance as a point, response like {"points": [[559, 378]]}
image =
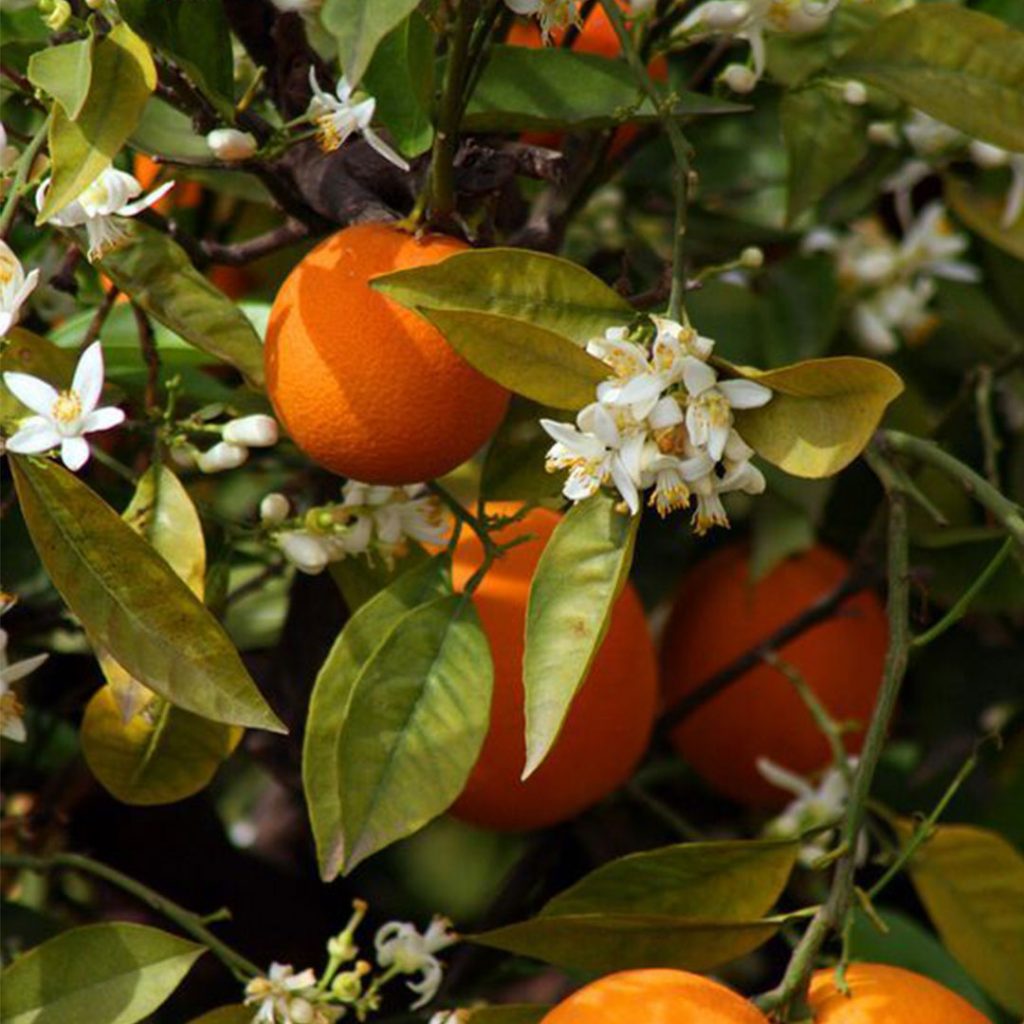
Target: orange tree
{"points": [[336, 604]]}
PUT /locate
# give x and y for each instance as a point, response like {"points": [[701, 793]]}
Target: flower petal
{"points": [[130, 209], [36, 435], [32, 392], [378, 144], [102, 419], [697, 376], [74, 453], [745, 394], [88, 380]]}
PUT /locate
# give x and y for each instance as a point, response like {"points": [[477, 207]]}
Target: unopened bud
{"points": [[222, 456], [752, 258], [884, 133], [305, 551], [739, 78], [55, 13], [231, 144], [300, 1011], [855, 93], [183, 456], [724, 15], [274, 508], [257, 431], [987, 156]]}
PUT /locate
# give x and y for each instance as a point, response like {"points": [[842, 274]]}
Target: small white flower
{"points": [[884, 133], [230, 144], [855, 93], [990, 157], [553, 15], [740, 78], [401, 946], [930, 245], [752, 258], [281, 996], [337, 117], [106, 198], [929, 137], [394, 513], [63, 417], [256, 431], [222, 456], [307, 551], [710, 404], [899, 309], [11, 724], [274, 508], [15, 287]]}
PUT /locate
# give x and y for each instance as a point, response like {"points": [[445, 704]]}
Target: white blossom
{"points": [[63, 417], [395, 513], [281, 997], [222, 456], [11, 724], [710, 403], [256, 431], [230, 144], [337, 117], [274, 508], [552, 15], [109, 196], [401, 947], [15, 287]]}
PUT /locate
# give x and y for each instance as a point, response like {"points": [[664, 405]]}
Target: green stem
{"points": [[680, 151], [21, 174], [188, 922], [832, 917], [959, 610], [441, 203], [1006, 512]]}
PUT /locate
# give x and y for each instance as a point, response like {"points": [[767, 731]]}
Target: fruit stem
{"points": [[681, 151], [788, 1000], [186, 920], [441, 182]]}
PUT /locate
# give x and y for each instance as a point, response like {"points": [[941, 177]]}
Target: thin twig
{"points": [[99, 318], [238, 254], [150, 355]]}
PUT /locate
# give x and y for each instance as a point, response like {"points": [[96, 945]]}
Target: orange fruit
{"points": [[234, 282], [364, 386], [609, 724], [880, 994], [720, 615], [655, 996], [186, 195]]}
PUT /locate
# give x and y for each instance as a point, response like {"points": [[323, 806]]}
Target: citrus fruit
{"points": [[609, 723], [880, 994], [186, 195], [655, 996], [365, 387], [720, 615]]}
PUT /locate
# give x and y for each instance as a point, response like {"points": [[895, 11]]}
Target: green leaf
{"points": [[821, 415], [971, 882], [359, 26], [692, 906], [103, 973], [523, 357], [333, 692], [401, 79], [26, 352], [549, 292], [414, 722], [131, 603], [826, 138], [960, 66], [581, 572], [523, 89], [163, 129], [983, 213], [359, 579], [64, 72], [226, 1015], [159, 277], [123, 77], [196, 36]]}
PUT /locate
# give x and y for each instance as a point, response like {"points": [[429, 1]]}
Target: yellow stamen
{"points": [[67, 408]]}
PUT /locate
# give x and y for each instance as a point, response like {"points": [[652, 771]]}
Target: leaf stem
{"points": [[681, 151], [190, 923], [21, 174]]}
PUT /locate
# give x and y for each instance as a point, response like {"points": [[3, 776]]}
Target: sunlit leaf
{"points": [[971, 882], [983, 214], [359, 26], [158, 275], [131, 603], [64, 72], [360, 579], [333, 691], [821, 415], [524, 89], [549, 292], [525, 358], [123, 77], [581, 572], [113, 973], [961, 66]]}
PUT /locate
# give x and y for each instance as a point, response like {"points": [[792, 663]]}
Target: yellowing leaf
{"points": [[64, 72], [821, 415], [983, 214], [971, 882], [123, 78]]}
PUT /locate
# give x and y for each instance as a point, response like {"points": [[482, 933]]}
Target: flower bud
{"points": [[274, 508], [55, 13], [304, 550], [221, 456], [183, 456], [739, 78], [883, 133], [855, 93], [724, 16], [231, 144], [300, 1011], [257, 431], [986, 155], [752, 258]]}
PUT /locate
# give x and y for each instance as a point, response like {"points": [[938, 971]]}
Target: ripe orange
{"points": [[720, 615], [365, 387], [880, 994], [609, 724], [186, 195], [655, 996]]}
